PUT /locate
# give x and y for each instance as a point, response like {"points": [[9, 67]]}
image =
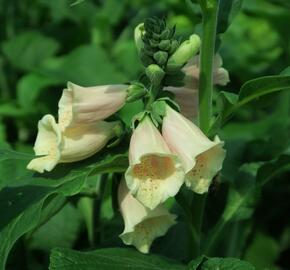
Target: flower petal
{"points": [[154, 174], [142, 225], [201, 157], [47, 144], [90, 104], [83, 141]]}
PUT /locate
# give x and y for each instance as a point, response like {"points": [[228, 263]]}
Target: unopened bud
{"points": [[155, 74], [160, 57], [164, 45], [135, 92], [138, 32], [184, 52]]}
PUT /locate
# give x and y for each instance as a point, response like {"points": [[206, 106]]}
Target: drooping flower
{"points": [[80, 131], [187, 96], [201, 157], [89, 104], [155, 173], [142, 225], [55, 145]]}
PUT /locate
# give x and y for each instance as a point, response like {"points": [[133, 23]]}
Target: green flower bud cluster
{"points": [[158, 42]]}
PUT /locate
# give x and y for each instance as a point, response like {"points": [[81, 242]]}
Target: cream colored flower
{"points": [[142, 225], [187, 96], [89, 104], [201, 157], [154, 174], [55, 145]]}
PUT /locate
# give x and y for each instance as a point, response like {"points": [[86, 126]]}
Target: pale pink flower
{"points": [[155, 173], [187, 96], [201, 157], [55, 145], [142, 225], [89, 104]]}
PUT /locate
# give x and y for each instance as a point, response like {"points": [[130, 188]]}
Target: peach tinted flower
{"points": [[142, 225], [90, 104], [56, 145], [201, 157], [155, 173], [187, 96]]}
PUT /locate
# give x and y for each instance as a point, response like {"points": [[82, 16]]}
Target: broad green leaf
{"points": [[57, 232], [17, 205], [273, 168], [252, 90], [28, 50], [226, 264], [6, 154], [87, 65], [109, 259], [29, 88], [25, 222]]}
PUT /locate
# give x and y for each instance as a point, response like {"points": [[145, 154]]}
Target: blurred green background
{"points": [[45, 43]]}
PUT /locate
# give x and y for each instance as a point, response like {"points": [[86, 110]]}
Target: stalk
{"points": [[209, 25]]}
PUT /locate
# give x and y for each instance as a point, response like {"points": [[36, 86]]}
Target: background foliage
{"points": [[44, 44]]}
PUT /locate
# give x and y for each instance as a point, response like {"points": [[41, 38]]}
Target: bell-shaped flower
{"points": [[57, 145], [187, 96], [90, 104], [201, 157], [142, 225], [155, 173]]}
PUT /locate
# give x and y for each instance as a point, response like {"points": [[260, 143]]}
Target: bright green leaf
{"points": [[226, 264], [28, 50], [109, 259]]}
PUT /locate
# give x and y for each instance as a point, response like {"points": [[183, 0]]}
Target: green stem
{"points": [[198, 208], [209, 24]]}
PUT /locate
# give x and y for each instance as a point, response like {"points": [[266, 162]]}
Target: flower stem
{"points": [[209, 25]]}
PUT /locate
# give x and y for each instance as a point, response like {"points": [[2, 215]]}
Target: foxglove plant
{"points": [[159, 164]]}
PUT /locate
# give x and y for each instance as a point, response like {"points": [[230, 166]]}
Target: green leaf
{"points": [[196, 263], [6, 154], [109, 259], [57, 232], [228, 9], [272, 169], [29, 88], [226, 264], [252, 90], [21, 212], [28, 50], [87, 65]]}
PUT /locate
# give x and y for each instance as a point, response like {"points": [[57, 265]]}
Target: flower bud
{"points": [[138, 33], [187, 96], [142, 225], [135, 92], [155, 74], [160, 57], [184, 52], [154, 174], [201, 157], [164, 45]]}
